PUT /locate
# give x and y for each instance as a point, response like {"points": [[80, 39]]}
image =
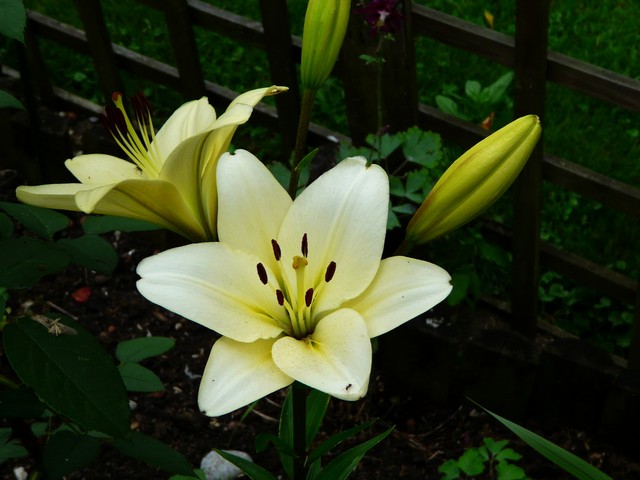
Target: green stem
{"points": [[301, 139], [299, 399]]}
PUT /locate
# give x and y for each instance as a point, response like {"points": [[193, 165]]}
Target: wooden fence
{"points": [[527, 54]]}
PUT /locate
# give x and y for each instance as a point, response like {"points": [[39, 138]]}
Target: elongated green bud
{"points": [[475, 180], [325, 24]]}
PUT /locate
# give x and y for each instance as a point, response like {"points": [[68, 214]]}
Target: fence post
{"points": [[100, 46], [532, 21], [398, 97], [277, 33], [176, 13]]}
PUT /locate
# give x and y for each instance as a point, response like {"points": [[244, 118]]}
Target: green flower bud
{"points": [[475, 180], [325, 24]]}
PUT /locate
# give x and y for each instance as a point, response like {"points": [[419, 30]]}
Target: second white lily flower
{"points": [[296, 288]]}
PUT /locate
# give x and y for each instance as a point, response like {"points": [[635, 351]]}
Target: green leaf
{"points": [[69, 372], [285, 433], [24, 261], [471, 462], [67, 451], [6, 226], [450, 469], [423, 148], [138, 349], [498, 89], [494, 446], [337, 439], [264, 439], [508, 471], [449, 106], [341, 467], [472, 88], [253, 471], [41, 221], [98, 224], [154, 452], [137, 378], [317, 403], [9, 448], [7, 100], [197, 473], [385, 144], [558, 455], [20, 403], [92, 252], [416, 180], [396, 187], [306, 160], [508, 454], [460, 282], [13, 19]]}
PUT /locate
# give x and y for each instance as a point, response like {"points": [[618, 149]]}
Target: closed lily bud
{"points": [[325, 24], [475, 180]]}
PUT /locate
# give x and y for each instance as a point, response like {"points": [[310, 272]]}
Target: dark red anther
{"points": [[262, 273], [113, 121], [308, 297], [276, 250], [280, 297], [331, 271], [141, 106], [305, 246], [115, 96]]}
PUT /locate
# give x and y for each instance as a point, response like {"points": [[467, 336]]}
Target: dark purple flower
{"points": [[382, 16]]}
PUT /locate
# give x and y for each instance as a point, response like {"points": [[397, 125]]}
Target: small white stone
{"points": [[20, 473], [217, 468]]}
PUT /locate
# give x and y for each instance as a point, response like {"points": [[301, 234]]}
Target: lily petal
{"points": [[335, 359], [57, 196], [190, 119], [215, 286], [252, 205], [238, 374], [344, 214], [402, 289], [98, 169]]}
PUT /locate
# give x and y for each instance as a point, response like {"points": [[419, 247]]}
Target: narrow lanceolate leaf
{"points": [[341, 467], [24, 261], [6, 226], [558, 455], [13, 19], [138, 349], [92, 252], [317, 403], [41, 221], [9, 101], [154, 452], [70, 372], [67, 451], [253, 471]]}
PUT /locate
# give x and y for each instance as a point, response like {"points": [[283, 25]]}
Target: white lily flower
{"points": [[170, 180], [296, 288]]}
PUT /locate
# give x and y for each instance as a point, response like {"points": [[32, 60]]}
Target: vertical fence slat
{"points": [[399, 104], [275, 22], [634, 347], [100, 45], [183, 41], [40, 76], [532, 20]]}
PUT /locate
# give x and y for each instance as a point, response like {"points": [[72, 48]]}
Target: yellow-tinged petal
{"points": [[238, 374], [402, 289], [335, 359], [140, 199], [190, 119], [344, 214], [215, 286], [98, 169], [252, 205], [59, 196]]}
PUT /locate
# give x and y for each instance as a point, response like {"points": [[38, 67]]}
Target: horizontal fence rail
{"points": [[497, 47]]}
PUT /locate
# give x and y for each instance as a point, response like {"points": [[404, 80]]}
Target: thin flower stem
{"points": [[301, 139], [299, 398]]}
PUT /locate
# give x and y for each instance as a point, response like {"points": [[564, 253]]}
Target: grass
{"points": [[579, 128]]}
